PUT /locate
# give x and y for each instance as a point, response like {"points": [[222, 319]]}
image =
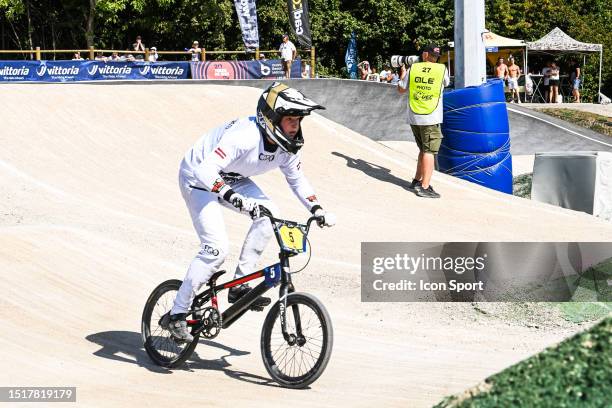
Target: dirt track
{"points": [[91, 220]]}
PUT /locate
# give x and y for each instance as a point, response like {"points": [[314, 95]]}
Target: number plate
{"points": [[272, 275], [293, 238]]}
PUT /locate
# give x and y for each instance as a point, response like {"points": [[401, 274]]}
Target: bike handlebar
{"points": [[265, 212]]}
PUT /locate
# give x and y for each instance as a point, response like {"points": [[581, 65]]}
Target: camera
{"points": [[399, 60]]}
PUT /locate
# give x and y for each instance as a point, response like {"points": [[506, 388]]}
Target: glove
{"points": [[245, 204], [328, 219]]}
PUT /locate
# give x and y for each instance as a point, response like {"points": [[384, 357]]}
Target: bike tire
{"points": [[158, 343], [276, 365]]}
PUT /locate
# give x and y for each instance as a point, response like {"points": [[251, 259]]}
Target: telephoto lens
{"points": [[399, 60]]}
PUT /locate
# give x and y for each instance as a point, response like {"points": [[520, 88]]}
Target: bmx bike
{"points": [[297, 334]]}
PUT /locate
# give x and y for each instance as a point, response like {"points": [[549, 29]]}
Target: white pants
{"points": [[207, 217]]}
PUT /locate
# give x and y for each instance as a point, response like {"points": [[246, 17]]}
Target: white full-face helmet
{"points": [[278, 101]]}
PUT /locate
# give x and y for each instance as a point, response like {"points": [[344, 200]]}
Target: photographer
{"points": [[425, 82]]}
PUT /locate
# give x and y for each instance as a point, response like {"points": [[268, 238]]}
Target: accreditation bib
{"points": [[425, 87]]}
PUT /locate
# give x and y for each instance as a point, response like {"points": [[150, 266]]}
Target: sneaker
{"points": [[427, 192], [178, 327], [236, 292], [415, 183]]}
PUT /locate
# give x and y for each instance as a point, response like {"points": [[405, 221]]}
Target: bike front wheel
{"points": [[298, 359], [160, 345]]}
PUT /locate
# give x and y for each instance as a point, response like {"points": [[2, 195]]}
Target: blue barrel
{"points": [[476, 144]]}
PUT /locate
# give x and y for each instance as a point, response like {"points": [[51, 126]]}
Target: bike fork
{"points": [[286, 289]]}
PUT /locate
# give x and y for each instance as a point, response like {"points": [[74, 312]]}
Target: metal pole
{"points": [[312, 62], [38, 54], [470, 57], [599, 88]]}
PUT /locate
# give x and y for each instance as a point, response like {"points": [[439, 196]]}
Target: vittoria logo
{"points": [[10, 71], [109, 70], [176, 71], [43, 69]]}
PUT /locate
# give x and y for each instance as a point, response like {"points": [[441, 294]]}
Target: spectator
{"points": [[306, 71], [546, 72], [425, 113], [554, 83], [576, 80], [262, 56], [394, 77], [514, 72], [288, 53], [153, 55], [386, 74], [77, 56], [374, 76], [114, 56], [195, 51], [100, 56], [364, 70], [501, 69], [138, 46]]}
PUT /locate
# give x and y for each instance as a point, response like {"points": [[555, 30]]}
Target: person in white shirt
{"points": [[153, 55], [288, 53], [195, 51], [217, 172]]}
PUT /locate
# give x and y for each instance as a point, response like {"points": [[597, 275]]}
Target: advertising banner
{"points": [[247, 15], [17, 71], [68, 71], [298, 16], [268, 69]]}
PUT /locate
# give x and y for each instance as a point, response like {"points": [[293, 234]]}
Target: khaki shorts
{"points": [[427, 137]]}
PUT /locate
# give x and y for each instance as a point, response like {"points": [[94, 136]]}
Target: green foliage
{"points": [[575, 373]]}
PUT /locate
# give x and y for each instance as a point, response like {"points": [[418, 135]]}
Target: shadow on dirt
{"points": [[376, 171], [126, 347]]}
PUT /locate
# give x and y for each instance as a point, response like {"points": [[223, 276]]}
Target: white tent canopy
{"points": [[558, 41]]}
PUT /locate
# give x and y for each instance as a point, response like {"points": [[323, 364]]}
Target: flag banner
{"points": [[351, 57], [247, 15], [298, 16]]}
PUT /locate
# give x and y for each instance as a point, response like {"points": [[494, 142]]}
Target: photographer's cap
{"points": [[433, 49]]}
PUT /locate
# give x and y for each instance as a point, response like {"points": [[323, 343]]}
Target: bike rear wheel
{"points": [[161, 347], [299, 361]]}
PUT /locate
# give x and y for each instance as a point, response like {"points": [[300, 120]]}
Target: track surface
{"points": [[91, 220]]}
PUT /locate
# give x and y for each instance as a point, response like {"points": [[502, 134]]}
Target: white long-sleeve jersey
{"points": [[238, 147]]}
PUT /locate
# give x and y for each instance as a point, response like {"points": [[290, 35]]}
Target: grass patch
{"points": [[521, 185], [576, 372], [597, 123]]}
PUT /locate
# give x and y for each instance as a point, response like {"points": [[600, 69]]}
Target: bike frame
{"points": [[235, 311]]}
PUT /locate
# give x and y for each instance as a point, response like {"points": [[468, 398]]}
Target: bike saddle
{"points": [[215, 276]]}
